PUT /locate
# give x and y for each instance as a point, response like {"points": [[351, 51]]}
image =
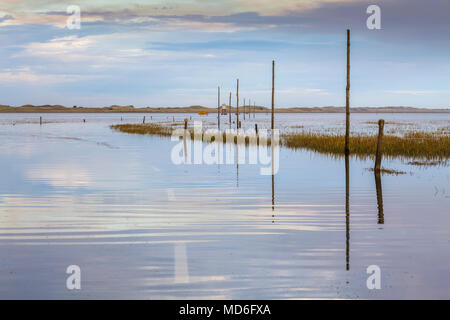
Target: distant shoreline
{"points": [[196, 109]]}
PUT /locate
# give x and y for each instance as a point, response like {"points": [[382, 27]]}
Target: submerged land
{"points": [[411, 145], [195, 109]]}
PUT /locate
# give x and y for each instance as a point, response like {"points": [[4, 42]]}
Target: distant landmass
{"points": [[194, 109]]}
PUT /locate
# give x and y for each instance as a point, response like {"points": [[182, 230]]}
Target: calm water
{"points": [[139, 226]]}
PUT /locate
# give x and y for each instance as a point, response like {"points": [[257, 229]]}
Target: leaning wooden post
{"points": [[256, 128], [273, 92], [229, 111], [218, 108], [40, 121], [237, 105], [347, 98], [378, 157], [143, 120]]}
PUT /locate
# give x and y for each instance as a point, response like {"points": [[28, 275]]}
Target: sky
{"points": [[176, 53]]}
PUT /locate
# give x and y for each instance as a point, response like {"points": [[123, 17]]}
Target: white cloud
{"points": [[26, 75]]}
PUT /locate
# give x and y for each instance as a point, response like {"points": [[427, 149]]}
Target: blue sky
{"points": [[161, 53]]}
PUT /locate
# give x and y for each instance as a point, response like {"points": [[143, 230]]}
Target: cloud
{"points": [[24, 75]]}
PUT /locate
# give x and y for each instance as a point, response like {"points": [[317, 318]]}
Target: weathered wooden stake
{"points": [[379, 146], [40, 121], [237, 105], [347, 98], [185, 124], [256, 128], [143, 120], [273, 92]]}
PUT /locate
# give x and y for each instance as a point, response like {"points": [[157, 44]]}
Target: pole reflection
{"points": [[379, 197], [347, 212]]}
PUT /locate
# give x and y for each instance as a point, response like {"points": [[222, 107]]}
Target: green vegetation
{"points": [[415, 145], [166, 131], [426, 145]]}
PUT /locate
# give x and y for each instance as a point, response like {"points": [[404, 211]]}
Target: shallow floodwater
{"points": [[139, 226]]}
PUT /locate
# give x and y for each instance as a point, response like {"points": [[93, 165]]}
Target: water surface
{"points": [[139, 226]]}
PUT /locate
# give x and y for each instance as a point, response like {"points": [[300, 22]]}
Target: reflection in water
{"points": [[273, 184], [181, 265], [132, 214], [379, 197], [347, 212], [237, 166]]}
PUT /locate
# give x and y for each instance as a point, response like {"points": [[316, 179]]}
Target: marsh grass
{"points": [[411, 145], [168, 131], [422, 145]]}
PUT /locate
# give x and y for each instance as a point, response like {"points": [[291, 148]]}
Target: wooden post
{"points": [[273, 92], [379, 146], [229, 111], [256, 128], [347, 98], [218, 108], [143, 120], [185, 124], [40, 121], [237, 105]]}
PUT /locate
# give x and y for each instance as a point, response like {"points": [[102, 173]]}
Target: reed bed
{"points": [[414, 145], [167, 131], [422, 145], [147, 128]]}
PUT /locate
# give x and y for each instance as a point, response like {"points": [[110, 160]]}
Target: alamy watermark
{"points": [[374, 20], [240, 146], [374, 280], [74, 20], [73, 281]]}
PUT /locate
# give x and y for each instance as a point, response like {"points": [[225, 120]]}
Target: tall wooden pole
{"points": [[347, 98], [273, 92], [237, 105], [229, 111], [218, 108]]}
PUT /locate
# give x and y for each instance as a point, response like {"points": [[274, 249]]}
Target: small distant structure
{"points": [[224, 110]]}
